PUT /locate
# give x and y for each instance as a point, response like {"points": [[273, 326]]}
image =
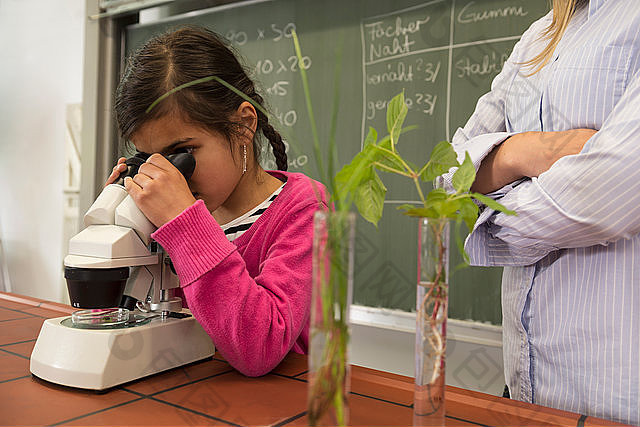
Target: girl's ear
{"points": [[248, 115]]}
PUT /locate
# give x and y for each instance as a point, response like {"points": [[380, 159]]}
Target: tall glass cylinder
{"points": [[431, 322], [329, 372]]}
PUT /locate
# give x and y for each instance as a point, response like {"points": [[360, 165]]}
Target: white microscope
{"points": [[130, 325]]}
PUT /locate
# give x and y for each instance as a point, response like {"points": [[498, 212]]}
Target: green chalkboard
{"points": [[443, 54]]}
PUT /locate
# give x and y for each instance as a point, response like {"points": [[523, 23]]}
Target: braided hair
{"points": [[274, 138], [181, 56]]}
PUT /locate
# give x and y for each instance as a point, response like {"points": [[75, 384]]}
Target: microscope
{"points": [[129, 324]]}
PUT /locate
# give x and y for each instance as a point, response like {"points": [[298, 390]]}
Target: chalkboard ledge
{"points": [[405, 322]]}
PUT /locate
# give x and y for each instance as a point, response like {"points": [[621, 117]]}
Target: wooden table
{"points": [[213, 393]]}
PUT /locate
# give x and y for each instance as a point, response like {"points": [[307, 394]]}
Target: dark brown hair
{"points": [[181, 56]]}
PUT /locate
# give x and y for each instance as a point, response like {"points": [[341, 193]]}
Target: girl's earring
{"points": [[244, 159]]}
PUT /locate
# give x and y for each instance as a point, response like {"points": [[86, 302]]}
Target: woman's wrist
{"points": [[513, 157], [503, 165]]}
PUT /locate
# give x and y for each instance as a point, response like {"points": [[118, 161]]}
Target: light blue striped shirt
{"points": [[571, 283]]}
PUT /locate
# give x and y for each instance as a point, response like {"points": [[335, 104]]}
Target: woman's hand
{"points": [[527, 154], [117, 170], [159, 190]]}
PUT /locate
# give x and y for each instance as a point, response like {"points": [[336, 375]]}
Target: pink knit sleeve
{"points": [[254, 322]]}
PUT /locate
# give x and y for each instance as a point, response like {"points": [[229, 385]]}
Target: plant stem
{"points": [[424, 168], [435, 297], [390, 169], [398, 158], [307, 97], [330, 334], [416, 181]]}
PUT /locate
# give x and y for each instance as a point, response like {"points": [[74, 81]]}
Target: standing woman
{"points": [[557, 139], [240, 237]]}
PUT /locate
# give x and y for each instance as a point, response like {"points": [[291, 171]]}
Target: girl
{"points": [[558, 140], [239, 237]]}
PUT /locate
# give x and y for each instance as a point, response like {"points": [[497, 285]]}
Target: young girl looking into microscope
{"points": [[240, 237]]}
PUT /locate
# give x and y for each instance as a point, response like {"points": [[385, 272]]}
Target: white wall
{"points": [[41, 43]]}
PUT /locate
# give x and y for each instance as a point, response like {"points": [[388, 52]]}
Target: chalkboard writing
{"points": [[443, 54]]}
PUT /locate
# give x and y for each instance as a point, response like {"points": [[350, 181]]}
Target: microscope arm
{"points": [[137, 288]]}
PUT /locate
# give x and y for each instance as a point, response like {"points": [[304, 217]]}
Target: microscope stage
{"points": [[98, 359]]}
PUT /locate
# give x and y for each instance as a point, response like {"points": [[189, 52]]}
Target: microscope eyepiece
{"points": [[184, 162]]}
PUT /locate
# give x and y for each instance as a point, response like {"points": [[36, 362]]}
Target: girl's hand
{"points": [[159, 190], [117, 170], [527, 154]]}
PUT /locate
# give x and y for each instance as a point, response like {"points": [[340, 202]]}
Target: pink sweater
{"points": [[252, 296]]}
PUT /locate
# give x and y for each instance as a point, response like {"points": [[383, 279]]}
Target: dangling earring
{"points": [[244, 159]]}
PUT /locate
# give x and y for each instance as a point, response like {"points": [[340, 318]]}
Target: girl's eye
{"points": [[188, 150]]}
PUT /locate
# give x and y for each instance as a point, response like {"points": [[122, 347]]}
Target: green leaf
{"points": [[436, 195], [369, 198], [405, 207], [422, 213], [448, 208], [412, 165], [384, 154], [492, 203], [468, 212], [389, 159], [396, 113], [460, 243], [443, 157], [353, 174], [385, 142], [435, 201], [312, 121], [371, 137], [464, 176]]}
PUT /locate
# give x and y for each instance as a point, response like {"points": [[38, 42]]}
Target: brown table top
{"points": [[211, 392]]}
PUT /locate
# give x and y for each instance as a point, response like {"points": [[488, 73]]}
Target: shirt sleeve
{"points": [[591, 198], [254, 322], [486, 128]]}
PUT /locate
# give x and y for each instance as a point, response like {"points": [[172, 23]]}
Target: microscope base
{"points": [[100, 359]]}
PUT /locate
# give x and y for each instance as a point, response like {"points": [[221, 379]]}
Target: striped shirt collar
{"points": [[236, 227]]}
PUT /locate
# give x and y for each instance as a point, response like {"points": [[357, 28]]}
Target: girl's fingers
{"points": [[132, 188], [151, 170], [158, 161], [117, 170], [142, 180]]}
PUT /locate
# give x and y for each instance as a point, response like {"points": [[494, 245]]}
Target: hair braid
{"points": [[274, 138]]}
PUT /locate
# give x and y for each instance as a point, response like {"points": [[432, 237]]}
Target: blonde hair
{"points": [[563, 11]]}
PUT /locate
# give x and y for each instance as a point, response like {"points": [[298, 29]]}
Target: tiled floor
{"points": [[211, 392]]}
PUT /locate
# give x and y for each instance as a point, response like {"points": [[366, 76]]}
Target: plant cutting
{"points": [[334, 230], [359, 181]]}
